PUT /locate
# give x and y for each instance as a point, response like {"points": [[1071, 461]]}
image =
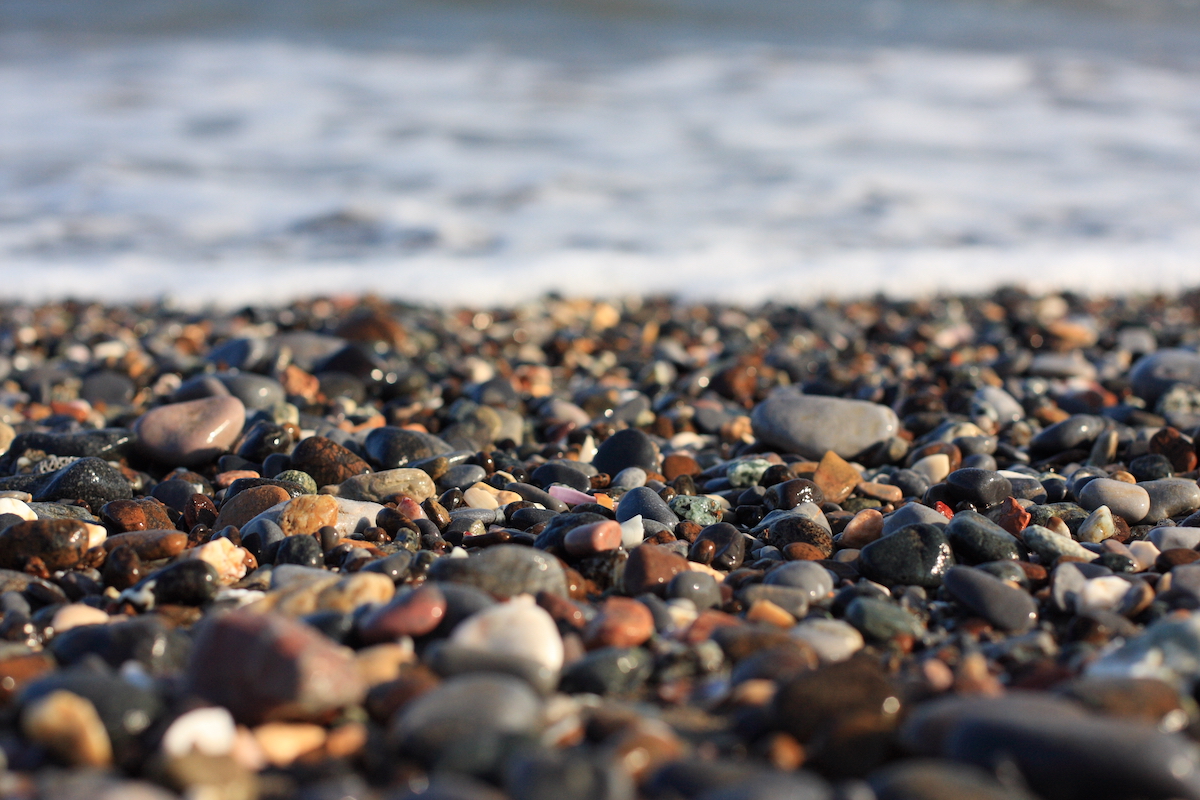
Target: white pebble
{"points": [[519, 627], [208, 731]]}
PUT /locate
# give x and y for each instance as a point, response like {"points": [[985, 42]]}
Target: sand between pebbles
{"points": [[602, 550]]}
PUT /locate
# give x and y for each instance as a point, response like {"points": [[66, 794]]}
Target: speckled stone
{"points": [[916, 555], [327, 461], [246, 505], [57, 543]]}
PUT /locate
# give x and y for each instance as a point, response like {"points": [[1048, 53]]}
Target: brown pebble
{"points": [[622, 622], [677, 464], [836, 477], [327, 461], [865, 527], [149, 545], [199, 510], [650, 568], [248, 504], [307, 514], [56, 543], [1180, 452], [879, 491], [1174, 557], [803, 551]]}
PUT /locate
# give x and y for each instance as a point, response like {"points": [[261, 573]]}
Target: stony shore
{"points": [[587, 550]]}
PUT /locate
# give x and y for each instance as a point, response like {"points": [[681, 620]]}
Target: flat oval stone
{"points": [[58, 543], [1076, 431], [557, 472], [1127, 500], [254, 390], [916, 555], [392, 447], [975, 539], [191, 433], [376, 487], [149, 545], [833, 639], [1170, 497], [504, 570], [810, 425], [1154, 374], [1082, 757], [1004, 606]]}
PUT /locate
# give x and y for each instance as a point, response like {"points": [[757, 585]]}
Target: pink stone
{"points": [[412, 614], [594, 538], [410, 508], [571, 497], [193, 433]]}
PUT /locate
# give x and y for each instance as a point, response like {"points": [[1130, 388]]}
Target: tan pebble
{"points": [[96, 534], [836, 477], [284, 742], [307, 514], [939, 676], [754, 692], [693, 566], [1123, 476], [356, 590], [227, 558], [880, 491], [346, 740], [477, 498], [11, 505], [1058, 526], [381, 663], [504, 498], [75, 615], [224, 480], [768, 612], [864, 527], [69, 727]]}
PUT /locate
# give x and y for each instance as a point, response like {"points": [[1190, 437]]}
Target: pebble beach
{"points": [[602, 549]]}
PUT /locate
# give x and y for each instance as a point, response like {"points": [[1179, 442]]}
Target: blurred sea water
{"points": [[479, 152]]}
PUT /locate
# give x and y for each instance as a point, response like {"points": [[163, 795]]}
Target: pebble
{"points": [[191, 433], [1050, 545], [1127, 500], [376, 487], [915, 555], [1170, 497], [975, 539], [644, 502], [811, 425], [597, 537], [987, 596], [505, 571]]}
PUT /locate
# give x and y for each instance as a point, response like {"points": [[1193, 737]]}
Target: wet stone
{"points": [[608, 671], [911, 514], [981, 487], [916, 555], [975, 539], [700, 588], [728, 546], [881, 621], [1154, 374], [326, 461], [248, 504], [650, 568], [835, 477], [1077, 431], [792, 493], [57, 543], [150, 545], [701, 510], [92, 480], [809, 576], [307, 514], [391, 447], [802, 530], [558, 472]]}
